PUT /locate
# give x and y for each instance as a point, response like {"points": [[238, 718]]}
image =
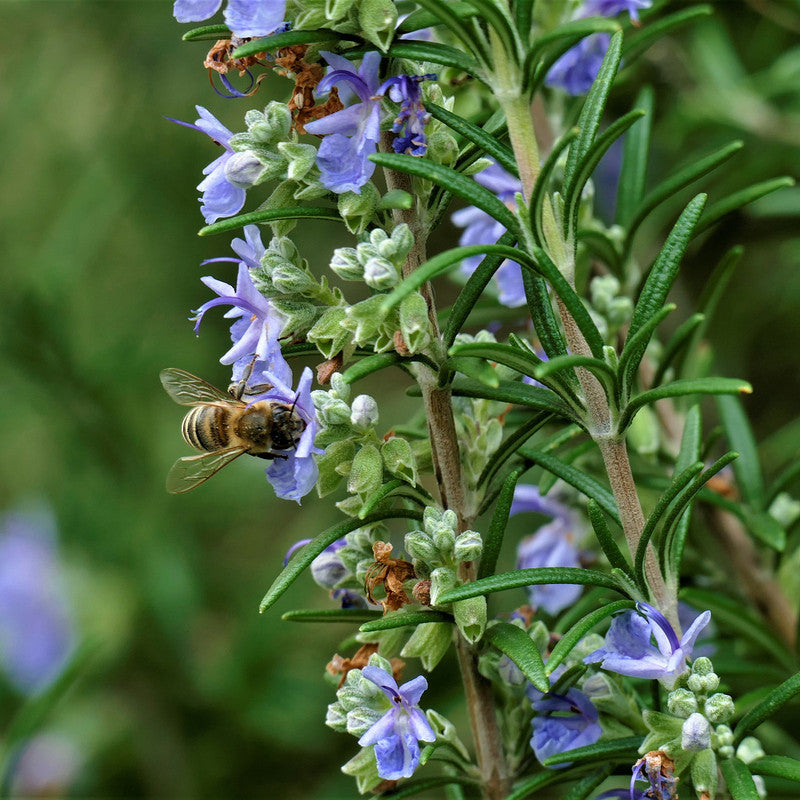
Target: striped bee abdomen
{"points": [[205, 427]]}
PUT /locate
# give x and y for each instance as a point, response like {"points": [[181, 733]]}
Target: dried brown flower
{"points": [[391, 573]]}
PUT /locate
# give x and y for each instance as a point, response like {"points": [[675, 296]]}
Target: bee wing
{"points": [[189, 472], [189, 390]]}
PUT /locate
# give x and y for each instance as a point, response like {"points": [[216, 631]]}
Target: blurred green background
{"points": [[190, 693]]}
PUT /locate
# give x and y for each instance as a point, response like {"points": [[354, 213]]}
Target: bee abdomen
{"points": [[206, 428]]}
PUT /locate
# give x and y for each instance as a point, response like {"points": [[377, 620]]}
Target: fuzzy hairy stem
{"points": [[447, 466]]}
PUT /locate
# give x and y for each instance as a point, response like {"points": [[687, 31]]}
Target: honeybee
{"points": [[225, 427]]}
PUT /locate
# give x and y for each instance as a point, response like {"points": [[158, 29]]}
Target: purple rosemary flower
{"points": [[256, 328], [576, 70], [629, 649], [480, 228], [412, 119], [396, 735], [245, 18], [36, 634], [293, 477], [47, 767], [220, 198], [351, 135], [553, 545], [611, 8], [562, 722]]}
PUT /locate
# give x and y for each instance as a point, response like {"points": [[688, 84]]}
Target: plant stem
{"points": [[446, 454]]}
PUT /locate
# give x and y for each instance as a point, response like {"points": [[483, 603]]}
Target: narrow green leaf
{"points": [[496, 16], [606, 540], [679, 340], [654, 30], [453, 20], [741, 198], [523, 19], [512, 392], [635, 152], [586, 786], [777, 767], [543, 316], [690, 386], [680, 180], [635, 347], [476, 368], [418, 785], [374, 363], [310, 551], [538, 576], [547, 480], [207, 32], [738, 779], [489, 144], [455, 183], [269, 215], [602, 371], [616, 750], [785, 478], [575, 477], [603, 247], [691, 439], [331, 615], [740, 435], [437, 53], [404, 619], [761, 524], [493, 540], [593, 106], [665, 268], [543, 181], [472, 291], [577, 28], [269, 44], [510, 445], [679, 483], [571, 638], [519, 647], [530, 786], [730, 613], [371, 502], [523, 361], [420, 19]]}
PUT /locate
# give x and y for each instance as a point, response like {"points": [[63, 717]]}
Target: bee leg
{"points": [[270, 456]]}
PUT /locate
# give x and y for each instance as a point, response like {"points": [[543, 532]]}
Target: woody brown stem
{"points": [[447, 465]]}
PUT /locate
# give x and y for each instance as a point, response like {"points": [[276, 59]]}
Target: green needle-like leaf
{"points": [[677, 343], [409, 788], [543, 180], [437, 53], [635, 348], [309, 552], [511, 392], [777, 767], [635, 151], [205, 32], [571, 638], [374, 363], [269, 215], [541, 311], [738, 779], [538, 576], [606, 540], [774, 701], [616, 750], [493, 540], [350, 615], [452, 17], [269, 44], [404, 619], [740, 435], [656, 29], [519, 647], [511, 444]]}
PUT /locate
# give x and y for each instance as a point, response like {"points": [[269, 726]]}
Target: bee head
{"points": [[287, 427]]}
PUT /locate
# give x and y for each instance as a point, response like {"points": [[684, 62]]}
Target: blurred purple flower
{"points": [[480, 228], [610, 8], [351, 135], [257, 325], [576, 70], [629, 650], [410, 122], [562, 722], [551, 546], [36, 633], [245, 18], [221, 198], [293, 477], [396, 735], [47, 767]]}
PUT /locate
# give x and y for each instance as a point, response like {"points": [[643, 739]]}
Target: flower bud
{"points": [[357, 209], [442, 147], [419, 545], [723, 737], [378, 19], [444, 540], [702, 666], [290, 279], [696, 733], [244, 169], [749, 749], [398, 457], [364, 412], [380, 274], [272, 126], [339, 387], [450, 519], [431, 516], [726, 751], [361, 719], [414, 322], [346, 264], [442, 579], [682, 703], [470, 616], [703, 684], [468, 546], [785, 509], [327, 569], [301, 158], [719, 708], [336, 718], [363, 766], [429, 642], [333, 412]]}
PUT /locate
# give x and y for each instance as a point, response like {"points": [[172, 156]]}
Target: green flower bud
{"points": [[396, 198], [301, 158], [272, 126], [398, 457], [719, 708], [346, 264], [785, 509], [245, 169], [419, 545], [749, 750], [414, 322], [336, 455], [722, 737], [442, 147], [336, 9], [726, 751], [442, 579], [446, 732], [330, 410], [704, 773], [682, 703], [402, 241], [468, 546], [470, 617], [336, 717], [702, 666], [703, 684], [291, 280], [357, 210], [450, 519], [429, 642], [695, 733], [364, 412], [329, 334], [378, 19], [361, 719], [340, 388], [431, 516], [380, 274], [364, 768], [364, 319], [366, 475], [444, 540]]}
